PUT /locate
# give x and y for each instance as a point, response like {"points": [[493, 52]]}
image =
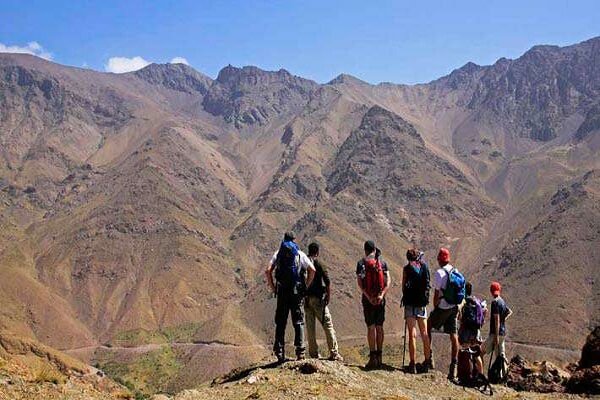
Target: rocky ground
{"points": [[330, 380]]}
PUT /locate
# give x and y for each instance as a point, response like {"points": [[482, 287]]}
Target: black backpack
{"points": [[498, 373], [415, 291], [287, 273]]}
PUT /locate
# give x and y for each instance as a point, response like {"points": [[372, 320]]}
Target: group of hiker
{"points": [[302, 286]]}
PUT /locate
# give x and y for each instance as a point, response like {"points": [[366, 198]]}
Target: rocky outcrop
{"points": [[586, 379], [249, 95], [543, 377]]}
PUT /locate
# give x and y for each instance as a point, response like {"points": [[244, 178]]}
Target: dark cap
{"points": [[289, 236], [369, 246]]}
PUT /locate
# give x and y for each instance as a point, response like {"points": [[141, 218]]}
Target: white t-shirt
{"points": [[440, 279], [305, 262]]}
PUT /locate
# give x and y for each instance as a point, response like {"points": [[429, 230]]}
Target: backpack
{"points": [[454, 292], [497, 373], [415, 291], [467, 370], [374, 277], [472, 314], [288, 265]]}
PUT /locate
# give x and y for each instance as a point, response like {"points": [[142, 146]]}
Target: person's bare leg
{"points": [[372, 338], [423, 328], [380, 335], [454, 341], [412, 336], [479, 365]]}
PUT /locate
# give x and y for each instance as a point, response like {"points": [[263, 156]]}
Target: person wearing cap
{"points": [[444, 314], [373, 303], [294, 272], [500, 313]]}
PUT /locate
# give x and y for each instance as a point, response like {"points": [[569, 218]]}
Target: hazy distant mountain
{"points": [[145, 205]]}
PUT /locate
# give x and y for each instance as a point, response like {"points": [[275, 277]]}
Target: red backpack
{"points": [[374, 277]]}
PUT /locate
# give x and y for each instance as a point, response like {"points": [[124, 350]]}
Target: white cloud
{"points": [[33, 48], [120, 65], [179, 60]]}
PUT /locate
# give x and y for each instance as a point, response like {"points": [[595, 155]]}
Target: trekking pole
{"points": [[490, 363], [404, 346]]}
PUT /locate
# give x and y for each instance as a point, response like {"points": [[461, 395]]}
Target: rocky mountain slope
{"points": [[141, 208]]}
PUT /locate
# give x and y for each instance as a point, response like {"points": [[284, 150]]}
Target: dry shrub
{"points": [[47, 373]]}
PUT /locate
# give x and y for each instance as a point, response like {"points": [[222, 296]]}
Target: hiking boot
{"points": [[379, 359], [372, 364], [422, 368], [412, 368], [336, 357], [280, 359], [315, 356], [452, 371], [428, 364], [301, 357]]}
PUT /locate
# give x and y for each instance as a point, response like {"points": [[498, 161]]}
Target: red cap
{"points": [[444, 255], [495, 288]]}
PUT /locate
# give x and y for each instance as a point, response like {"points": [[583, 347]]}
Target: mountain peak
{"points": [[180, 77], [250, 74], [346, 79]]}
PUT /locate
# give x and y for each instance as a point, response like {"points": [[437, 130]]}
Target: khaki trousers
{"points": [[316, 309]]}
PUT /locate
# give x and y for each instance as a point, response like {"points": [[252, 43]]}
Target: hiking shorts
{"points": [[374, 315], [415, 312], [444, 317]]}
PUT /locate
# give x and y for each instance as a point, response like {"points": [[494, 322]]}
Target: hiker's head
{"points": [[289, 236], [412, 255], [495, 289], [313, 250], [443, 256], [369, 247], [468, 288]]}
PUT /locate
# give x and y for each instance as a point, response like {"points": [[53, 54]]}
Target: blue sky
{"points": [[397, 41]]}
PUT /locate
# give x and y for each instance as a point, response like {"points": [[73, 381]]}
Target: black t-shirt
{"points": [[321, 281], [499, 307]]}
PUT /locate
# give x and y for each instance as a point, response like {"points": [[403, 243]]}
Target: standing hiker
{"points": [[294, 271], [415, 297], [471, 316], [500, 313], [318, 295], [374, 281], [449, 285]]}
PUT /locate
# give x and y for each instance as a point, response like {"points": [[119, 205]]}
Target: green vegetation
{"points": [[147, 374], [181, 333], [137, 337]]}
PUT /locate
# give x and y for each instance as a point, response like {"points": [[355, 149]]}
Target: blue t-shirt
{"points": [[499, 307]]}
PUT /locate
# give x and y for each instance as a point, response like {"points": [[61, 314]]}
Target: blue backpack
{"points": [[288, 268], [454, 292]]}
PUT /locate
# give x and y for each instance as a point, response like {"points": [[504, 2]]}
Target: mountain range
{"points": [[142, 208]]}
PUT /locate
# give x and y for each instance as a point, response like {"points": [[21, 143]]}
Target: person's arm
{"points": [[270, 282], [310, 269], [388, 282], [510, 312], [497, 328], [327, 284], [437, 297], [359, 282]]}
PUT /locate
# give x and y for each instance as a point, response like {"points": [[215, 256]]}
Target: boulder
{"points": [[586, 379], [590, 354], [543, 377]]}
